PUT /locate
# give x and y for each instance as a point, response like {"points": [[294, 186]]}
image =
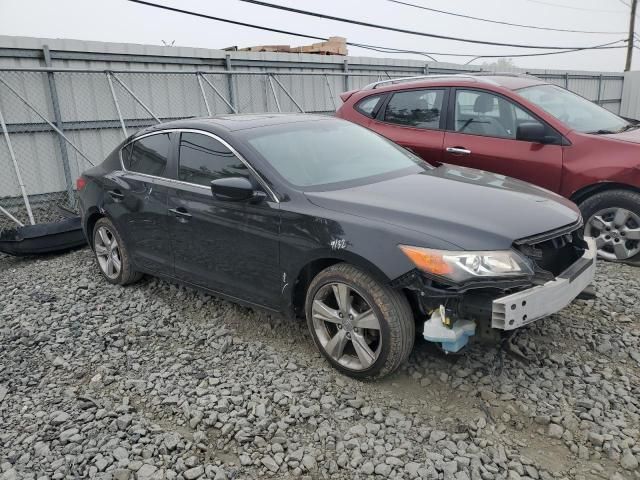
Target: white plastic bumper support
{"points": [[522, 308]]}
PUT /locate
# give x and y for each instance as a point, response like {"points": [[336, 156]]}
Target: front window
{"points": [[479, 112], [327, 153], [204, 159], [573, 110]]}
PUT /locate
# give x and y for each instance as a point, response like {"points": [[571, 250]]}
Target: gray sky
{"points": [[122, 21]]}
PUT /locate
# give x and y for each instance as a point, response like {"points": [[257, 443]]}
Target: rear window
{"points": [[369, 106], [148, 155]]}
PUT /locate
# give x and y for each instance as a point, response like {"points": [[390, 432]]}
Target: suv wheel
{"points": [[112, 255], [364, 328], [613, 220]]}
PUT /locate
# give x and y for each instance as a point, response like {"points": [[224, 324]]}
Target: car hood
{"points": [[632, 136], [472, 209]]}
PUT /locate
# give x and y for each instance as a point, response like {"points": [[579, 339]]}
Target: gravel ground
{"points": [[158, 381]]}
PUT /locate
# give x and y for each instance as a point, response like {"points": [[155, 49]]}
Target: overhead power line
{"points": [[604, 46], [571, 7], [403, 30], [285, 32], [499, 22], [377, 48]]}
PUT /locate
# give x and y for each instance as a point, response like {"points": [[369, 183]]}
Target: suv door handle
{"points": [[181, 214], [458, 151], [116, 194]]}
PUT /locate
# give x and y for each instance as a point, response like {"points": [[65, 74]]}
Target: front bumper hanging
{"points": [[526, 306]]}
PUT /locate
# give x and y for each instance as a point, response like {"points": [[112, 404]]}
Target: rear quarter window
{"points": [[147, 155], [368, 106]]}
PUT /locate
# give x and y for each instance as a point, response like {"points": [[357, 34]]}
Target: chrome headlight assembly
{"points": [[464, 266]]}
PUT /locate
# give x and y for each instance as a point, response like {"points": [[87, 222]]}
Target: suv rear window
{"points": [[368, 106], [415, 108]]}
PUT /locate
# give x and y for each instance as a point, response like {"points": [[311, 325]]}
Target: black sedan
{"points": [[317, 217]]}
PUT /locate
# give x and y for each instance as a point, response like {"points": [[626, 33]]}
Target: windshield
{"points": [[573, 110], [327, 153]]}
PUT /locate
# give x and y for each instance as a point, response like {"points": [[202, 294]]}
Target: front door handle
{"points": [[181, 214], [116, 194], [458, 151]]}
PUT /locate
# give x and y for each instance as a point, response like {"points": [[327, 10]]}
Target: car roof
{"points": [[511, 81], [235, 122]]}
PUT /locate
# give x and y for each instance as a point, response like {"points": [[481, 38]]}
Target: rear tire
{"points": [[364, 328], [112, 255], [612, 217]]}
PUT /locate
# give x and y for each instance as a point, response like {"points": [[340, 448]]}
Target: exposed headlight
{"points": [[463, 266]]}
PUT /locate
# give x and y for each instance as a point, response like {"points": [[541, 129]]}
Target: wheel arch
{"points": [[585, 192], [91, 217], [315, 265]]}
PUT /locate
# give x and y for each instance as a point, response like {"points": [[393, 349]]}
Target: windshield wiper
{"points": [[603, 132], [630, 126]]}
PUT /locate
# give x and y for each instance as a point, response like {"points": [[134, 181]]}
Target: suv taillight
{"points": [[81, 182]]}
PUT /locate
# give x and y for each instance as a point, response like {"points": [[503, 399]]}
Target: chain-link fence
{"points": [[55, 123]]}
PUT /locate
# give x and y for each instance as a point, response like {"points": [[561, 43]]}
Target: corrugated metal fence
{"points": [[62, 110]]}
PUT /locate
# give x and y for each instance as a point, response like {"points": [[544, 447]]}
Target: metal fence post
{"points": [[345, 68], [204, 95], [233, 109], [46, 120], [115, 102], [599, 89], [288, 94], [11, 217], [265, 82], [16, 169], [55, 103], [140, 102], [566, 80], [230, 82], [275, 97], [333, 98]]}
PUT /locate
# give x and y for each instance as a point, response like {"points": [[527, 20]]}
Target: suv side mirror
{"points": [[234, 189], [531, 132]]}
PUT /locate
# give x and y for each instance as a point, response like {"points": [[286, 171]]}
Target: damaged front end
{"points": [[466, 295]]}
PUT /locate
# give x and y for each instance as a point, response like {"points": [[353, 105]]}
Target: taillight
{"points": [[81, 182]]}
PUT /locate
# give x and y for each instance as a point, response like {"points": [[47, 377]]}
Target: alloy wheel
{"points": [[616, 232], [346, 326], [107, 252]]}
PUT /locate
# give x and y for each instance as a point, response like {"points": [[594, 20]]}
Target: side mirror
{"points": [[531, 132], [234, 189]]}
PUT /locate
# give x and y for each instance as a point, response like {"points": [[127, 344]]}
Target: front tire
{"points": [[112, 255], [363, 328], [612, 218]]}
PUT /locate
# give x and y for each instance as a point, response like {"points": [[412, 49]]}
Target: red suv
{"points": [[519, 126]]}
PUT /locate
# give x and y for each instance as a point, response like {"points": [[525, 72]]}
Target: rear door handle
{"points": [[181, 214], [458, 151], [116, 194]]}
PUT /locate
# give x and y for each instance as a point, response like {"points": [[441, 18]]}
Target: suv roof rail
{"points": [[471, 76], [504, 74], [373, 85]]}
